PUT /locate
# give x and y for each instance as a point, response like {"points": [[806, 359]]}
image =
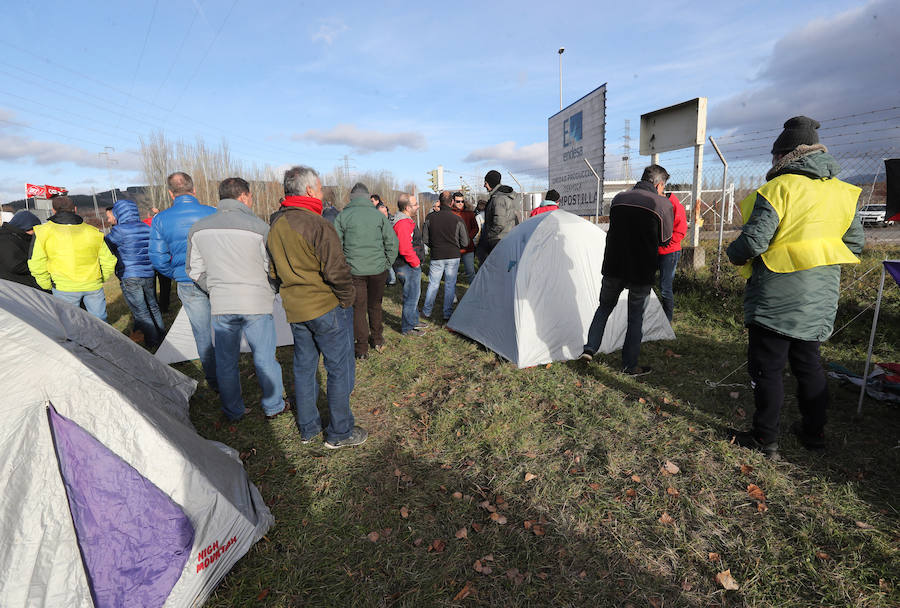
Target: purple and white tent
{"points": [[110, 497]]}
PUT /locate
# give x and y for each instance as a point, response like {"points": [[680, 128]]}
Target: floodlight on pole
{"points": [[561, 50]]}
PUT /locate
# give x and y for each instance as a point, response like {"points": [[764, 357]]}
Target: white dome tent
{"points": [[533, 299]]}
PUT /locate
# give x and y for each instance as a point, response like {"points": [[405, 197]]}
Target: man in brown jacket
{"points": [[317, 292]]}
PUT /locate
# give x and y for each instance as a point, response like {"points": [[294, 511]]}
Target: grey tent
{"points": [[110, 497]]}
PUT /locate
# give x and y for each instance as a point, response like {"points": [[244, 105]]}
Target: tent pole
{"points": [[862, 390]]}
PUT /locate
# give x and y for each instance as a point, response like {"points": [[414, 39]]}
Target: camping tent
{"points": [[179, 344], [533, 299], [110, 497]]}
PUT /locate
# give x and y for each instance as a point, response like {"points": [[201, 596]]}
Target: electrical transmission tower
{"points": [[626, 156]]}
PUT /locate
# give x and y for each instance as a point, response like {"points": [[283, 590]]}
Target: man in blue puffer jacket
{"points": [[129, 241], [168, 248]]}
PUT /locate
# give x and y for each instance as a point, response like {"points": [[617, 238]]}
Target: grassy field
{"points": [[572, 484]]}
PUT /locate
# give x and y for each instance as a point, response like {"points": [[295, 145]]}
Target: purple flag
{"points": [[893, 268], [133, 538]]}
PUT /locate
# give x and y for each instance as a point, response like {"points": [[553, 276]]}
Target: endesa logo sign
{"points": [[572, 135], [210, 554]]}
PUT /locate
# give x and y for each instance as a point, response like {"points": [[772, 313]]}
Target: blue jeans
{"points": [[94, 301], [331, 335], [610, 289], [411, 280], [667, 265], [260, 333], [468, 262], [437, 268], [196, 304], [140, 295]]}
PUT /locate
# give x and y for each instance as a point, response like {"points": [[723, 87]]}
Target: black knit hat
{"points": [[492, 178], [24, 220], [797, 131], [552, 195]]}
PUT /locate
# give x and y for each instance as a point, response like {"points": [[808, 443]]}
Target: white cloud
{"points": [[363, 141], [530, 159], [329, 30], [829, 67]]}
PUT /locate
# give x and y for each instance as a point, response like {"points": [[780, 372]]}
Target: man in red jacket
{"points": [[408, 265], [669, 256]]}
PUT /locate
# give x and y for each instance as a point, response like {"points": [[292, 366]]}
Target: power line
{"points": [[140, 56]]}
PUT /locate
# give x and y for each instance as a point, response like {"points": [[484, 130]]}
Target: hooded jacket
{"points": [[14, 246], [499, 216], [409, 237], [801, 304], [70, 255], [367, 237], [169, 234], [129, 241], [544, 207], [640, 220]]}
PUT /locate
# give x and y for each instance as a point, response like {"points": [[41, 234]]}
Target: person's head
{"points": [[407, 203], [376, 200], [383, 208], [302, 181], [436, 205], [552, 195], [236, 188], [657, 176], [491, 179], [798, 131], [459, 201], [179, 183], [63, 203], [25, 220], [445, 199], [110, 216], [359, 189], [481, 205]]}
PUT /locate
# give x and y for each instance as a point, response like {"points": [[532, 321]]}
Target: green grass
{"points": [[452, 426]]}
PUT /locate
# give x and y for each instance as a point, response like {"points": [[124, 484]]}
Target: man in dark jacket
{"points": [[317, 292], [445, 234], [370, 247], [640, 220], [467, 253], [408, 265], [798, 228], [168, 248], [15, 241], [500, 215], [129, 240]]}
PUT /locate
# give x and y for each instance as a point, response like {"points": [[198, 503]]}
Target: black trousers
{"points": [[767, 353], [369, 293]]}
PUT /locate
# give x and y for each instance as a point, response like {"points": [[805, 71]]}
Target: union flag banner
{"points": [[34, 191], [55, 191]]}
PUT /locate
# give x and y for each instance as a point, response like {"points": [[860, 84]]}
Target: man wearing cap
{"points": [[550, 203], [15, 242], [499, 215], [72, 258], [798, 228]]}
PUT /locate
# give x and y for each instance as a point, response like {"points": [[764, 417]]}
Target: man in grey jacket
{"points": [[500, 215], [227, 258]]}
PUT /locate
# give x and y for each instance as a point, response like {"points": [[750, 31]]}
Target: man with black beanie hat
{"points": [[798, 229], [500, 214], [15, 241]]}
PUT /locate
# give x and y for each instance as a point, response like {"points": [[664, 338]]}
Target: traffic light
{"points": [[433, 180]]}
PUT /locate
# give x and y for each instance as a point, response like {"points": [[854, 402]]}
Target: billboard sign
{"points": [[576, 133]]}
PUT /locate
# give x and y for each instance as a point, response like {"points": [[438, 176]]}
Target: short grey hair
{"points": [[297, 179], [655, 174], [359, 188]]}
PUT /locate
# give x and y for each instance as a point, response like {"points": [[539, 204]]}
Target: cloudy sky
{"points": [[405, 88]]}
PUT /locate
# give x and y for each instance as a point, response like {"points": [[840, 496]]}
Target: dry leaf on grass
{"points": [[630, 492], [477, 527], [655, 602], [746, 469], [515, 576], [666, 519], [457, 495], [488, 558], [672, 491], [755, 493], [725, 579], [481, 568], [262, 594], [398, 473], [538, 529], [671, 468], [498, 518], [636, 478], [373, 536], [864, 526], [437, 545], [594, 486], [404, 512], [462, 533], [418, 542], [528, 523], [823, 556], [761, 507], [467, 590], [530, 476], [713, 557], [487, 506]]}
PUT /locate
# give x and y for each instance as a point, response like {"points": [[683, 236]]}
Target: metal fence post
{"points": [[722, 212]]}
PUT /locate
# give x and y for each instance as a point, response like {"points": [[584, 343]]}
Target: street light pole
{"points": [[561, 50]]}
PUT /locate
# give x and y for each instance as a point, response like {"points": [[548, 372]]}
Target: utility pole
{"points": [[110, 161], [626, 157], [561, 50]]}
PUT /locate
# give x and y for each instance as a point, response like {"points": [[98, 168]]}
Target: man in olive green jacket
{"points": [[370, 246], [798, 228]]}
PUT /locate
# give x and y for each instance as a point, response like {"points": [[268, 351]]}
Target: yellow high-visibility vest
{"points": [[813, 216]]}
